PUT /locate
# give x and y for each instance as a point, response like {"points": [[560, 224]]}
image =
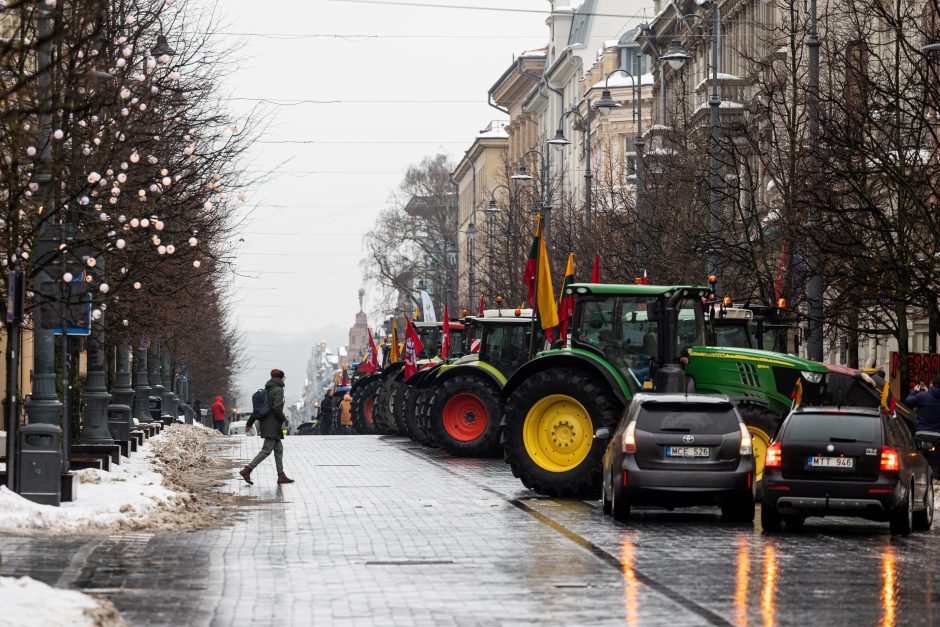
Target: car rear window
{"points": [[687, 418], [825, 427]]}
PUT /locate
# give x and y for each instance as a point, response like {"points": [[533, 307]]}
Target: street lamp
{"points": [[607, 104], [560, 140], [521, 175], [931, 47], [676, 56]]}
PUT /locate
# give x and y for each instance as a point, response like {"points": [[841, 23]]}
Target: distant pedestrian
{"points": [[345, 413], [927, 402], [270, 429], [218, 415], [197, 409]]}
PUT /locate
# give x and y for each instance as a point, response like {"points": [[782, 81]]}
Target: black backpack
{"points": [[260, 407]]}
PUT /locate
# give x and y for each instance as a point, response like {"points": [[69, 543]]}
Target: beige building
{"points": [[479, 176]]}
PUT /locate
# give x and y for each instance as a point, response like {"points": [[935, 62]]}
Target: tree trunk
{"points": [[902, 336], [852, 337]]}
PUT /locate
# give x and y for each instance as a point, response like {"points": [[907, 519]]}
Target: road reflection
{"points": [[769, 590], [741, 580], [889, 587], [631, 602]]}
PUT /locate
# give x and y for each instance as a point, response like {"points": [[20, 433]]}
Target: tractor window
{"points": [[732, 335], [691, 325], [431, 338], [620, 328], [506, 347]]}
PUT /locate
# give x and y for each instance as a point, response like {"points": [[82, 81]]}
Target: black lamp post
{"points": [[560, 140]]}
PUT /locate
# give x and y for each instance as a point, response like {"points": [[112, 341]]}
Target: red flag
{"points": [[371, 364], [596, 274], [530, 264], [445, 339], [345, 379], [413, 347], [482, 304]]}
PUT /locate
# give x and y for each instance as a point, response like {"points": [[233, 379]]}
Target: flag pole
{"points": [[535, 291]]}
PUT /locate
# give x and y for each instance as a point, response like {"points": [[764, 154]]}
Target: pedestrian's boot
{"points": [[282, 478], [246, 475]]}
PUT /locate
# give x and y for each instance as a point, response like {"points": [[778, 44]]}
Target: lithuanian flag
{"points": [[394, 354], [566, 301], [545, 296], [887, 399]]}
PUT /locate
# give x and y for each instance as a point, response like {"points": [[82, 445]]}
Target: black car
{"points": [[680, 450], [855, 461]]}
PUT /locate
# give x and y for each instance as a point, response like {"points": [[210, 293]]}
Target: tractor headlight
{"points": [[812, 377]]}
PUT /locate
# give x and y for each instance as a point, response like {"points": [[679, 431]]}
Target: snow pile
{"points": [[26, 601], [133, 496]]}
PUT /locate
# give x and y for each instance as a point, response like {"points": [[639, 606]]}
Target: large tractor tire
{"points": [[396, 395], [382, 413], [412, 403], [363, 407], [548, 431], [464, 414], [762, 424]]}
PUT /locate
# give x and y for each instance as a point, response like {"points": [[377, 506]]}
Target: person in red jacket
{"points": [[218, 415]]}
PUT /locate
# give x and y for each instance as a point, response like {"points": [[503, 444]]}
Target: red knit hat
{"points": [[277, 373]]}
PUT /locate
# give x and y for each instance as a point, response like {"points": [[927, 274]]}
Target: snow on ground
{"points": [[26, 601], [134, 495]]}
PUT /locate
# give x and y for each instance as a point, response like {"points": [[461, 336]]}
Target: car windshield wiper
{"points": [[836, 439], [676, 429]]}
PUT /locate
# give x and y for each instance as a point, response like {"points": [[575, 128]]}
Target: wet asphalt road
{"points": [[381, 531]]}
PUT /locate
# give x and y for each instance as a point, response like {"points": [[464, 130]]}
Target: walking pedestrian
{"points": [[345, 413], [218, 415], [197, 410], [927, 402], [270, 430]]}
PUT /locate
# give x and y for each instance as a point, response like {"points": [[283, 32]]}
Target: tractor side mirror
{"points": [[602, 434], [654, 310]]}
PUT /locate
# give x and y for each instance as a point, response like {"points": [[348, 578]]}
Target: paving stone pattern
{"points": [[379, 531]]}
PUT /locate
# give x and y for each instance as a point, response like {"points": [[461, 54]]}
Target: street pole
{"points": [[123, 393], [43, 405], [95, 397], [639, 147], [814, 286], [15, 285], [588, 174], [156, 383], [714, 103], [142, 388]]}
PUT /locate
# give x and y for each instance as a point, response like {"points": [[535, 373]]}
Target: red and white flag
{"points": [[371, 363], [413, 347]]}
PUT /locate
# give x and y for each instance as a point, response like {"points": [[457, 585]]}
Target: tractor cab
{"points": [[752, 326], [504, 342], [431, 334], [638, 328]]}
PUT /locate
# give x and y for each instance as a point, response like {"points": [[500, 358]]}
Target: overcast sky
{"points": [[411, 81]]}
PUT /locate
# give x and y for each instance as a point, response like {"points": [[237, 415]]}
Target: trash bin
{"points": [[119, 422], [40, 463]]}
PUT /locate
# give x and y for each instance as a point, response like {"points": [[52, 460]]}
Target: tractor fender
{"points": [[572, 358], [363, 380], [391, 370], [423, 378], [479, 369]]}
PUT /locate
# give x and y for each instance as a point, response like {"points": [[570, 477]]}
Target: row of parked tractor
{"points": [[543, 410]]}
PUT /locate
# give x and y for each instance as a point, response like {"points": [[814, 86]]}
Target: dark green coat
{"points": [[271, 426]]}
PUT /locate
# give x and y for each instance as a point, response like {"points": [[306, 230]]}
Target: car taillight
{"points": [[774, 457], [746, 447], [889, 459], [629, 440]]}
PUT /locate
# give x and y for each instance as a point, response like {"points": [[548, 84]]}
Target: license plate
{"points": [[830, 462], [687, 451]]}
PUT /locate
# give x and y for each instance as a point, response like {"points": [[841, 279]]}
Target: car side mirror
{"points": [[927, 447], [602, 434]]}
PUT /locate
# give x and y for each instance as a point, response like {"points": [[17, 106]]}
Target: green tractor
{"points": [[388, 414], [749, 326], [624, 339], [462, 401]]}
